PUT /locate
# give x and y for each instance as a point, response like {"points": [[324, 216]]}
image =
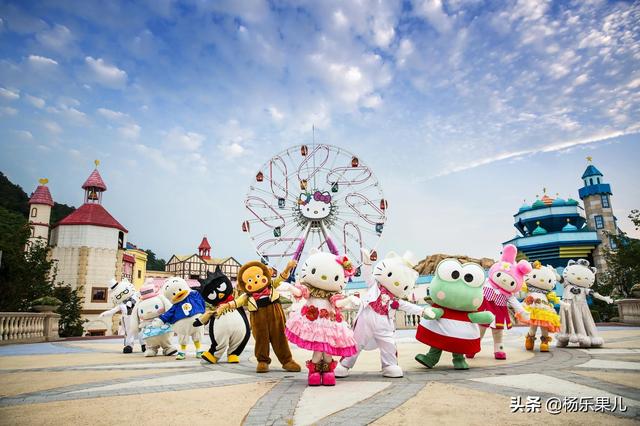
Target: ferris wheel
{"points": [[317, 196]]}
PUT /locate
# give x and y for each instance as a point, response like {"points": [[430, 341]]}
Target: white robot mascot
{"points": [[124, 297]]}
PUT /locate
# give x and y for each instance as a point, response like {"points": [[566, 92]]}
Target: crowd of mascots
{"points": [[465, 303]]}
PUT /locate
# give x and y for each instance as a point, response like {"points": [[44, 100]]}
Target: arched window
{"points": [[34, 212], [120, 239]]}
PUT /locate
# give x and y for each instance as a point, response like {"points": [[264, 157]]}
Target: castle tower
{"points": [[40, 205], [595, 195], [204, 249]]}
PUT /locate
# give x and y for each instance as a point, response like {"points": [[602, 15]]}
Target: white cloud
{"points": [[275, 113], [183, 140], [634, 84], [581, 79], [35, 101], [9, 94], [372, 101], [433, 12], [52, 127], [57, 38], [41, 61], [553, 147], [8, 112], [23, 134], [112, 115], [130, 131], [232, 150], [158, 157], [106, 74]]}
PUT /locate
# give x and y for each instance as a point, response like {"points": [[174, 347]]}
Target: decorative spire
{"points": [[589, 159], [41, 195]]}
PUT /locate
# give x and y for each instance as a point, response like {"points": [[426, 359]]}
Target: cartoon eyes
{"points": [[141, 311], [249, 280], [549, 281], [222, 287], [157, 306], [451, 270], [534, 276], [337, 277], [473, 275], [211, 296], [512, 283], [406, 287], [313, 271], [389, 274]]}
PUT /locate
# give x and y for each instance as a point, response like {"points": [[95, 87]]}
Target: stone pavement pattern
{"points": [[90, 381]]}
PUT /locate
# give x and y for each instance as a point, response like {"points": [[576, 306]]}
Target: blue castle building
{"points": [[554, 230]]}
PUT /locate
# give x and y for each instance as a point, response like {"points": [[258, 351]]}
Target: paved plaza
{"points": [[90, 382]]}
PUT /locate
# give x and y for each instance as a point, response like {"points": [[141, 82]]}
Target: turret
{"points": [[40, 205], [595, 195]]}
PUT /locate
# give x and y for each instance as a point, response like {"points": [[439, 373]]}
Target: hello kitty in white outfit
{"points": [[388, 283]]}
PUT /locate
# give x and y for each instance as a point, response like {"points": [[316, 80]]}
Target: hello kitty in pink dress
{"points": [[318, 326]]}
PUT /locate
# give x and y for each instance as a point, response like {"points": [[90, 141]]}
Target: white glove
{"points": [[428, 313], [366, 257], [607, 299], [565, 304], [355, 301], [103, 314], [157, 323]]}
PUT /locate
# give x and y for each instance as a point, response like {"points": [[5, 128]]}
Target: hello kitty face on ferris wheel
{"points": [[316, 205]]}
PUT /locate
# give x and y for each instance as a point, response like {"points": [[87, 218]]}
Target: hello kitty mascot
{"points": [[124, 298], [576, 321], [319, 326], [391, 281], [149, 308], [505, 280]]}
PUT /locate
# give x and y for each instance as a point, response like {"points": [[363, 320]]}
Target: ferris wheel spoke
{"points": [[341, 222]]}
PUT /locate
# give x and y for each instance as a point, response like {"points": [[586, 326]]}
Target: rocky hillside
{"points": [[428, 265]]}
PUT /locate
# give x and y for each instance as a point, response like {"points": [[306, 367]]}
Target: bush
{"points": [[47, 301]]}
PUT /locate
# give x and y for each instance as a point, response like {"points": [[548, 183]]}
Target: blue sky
{"points": [[462, 108]]}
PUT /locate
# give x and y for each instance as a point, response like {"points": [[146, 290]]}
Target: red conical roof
{"points": [[204, 245], [41, 196], [92, 214], [94, 181]]}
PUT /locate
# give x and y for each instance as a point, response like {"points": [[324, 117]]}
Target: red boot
{"points": [[315, 379], [328, 377]]}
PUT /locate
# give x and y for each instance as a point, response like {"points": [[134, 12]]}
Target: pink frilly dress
{"points": [[319, 326]]}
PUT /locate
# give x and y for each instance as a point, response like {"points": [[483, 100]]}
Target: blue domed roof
{"points": [[538, 204], [524, 208], [569, 227], [559, 202], [572, 202], [539, 230]]}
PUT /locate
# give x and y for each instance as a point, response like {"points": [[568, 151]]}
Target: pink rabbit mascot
{"points": [[505, 280]]}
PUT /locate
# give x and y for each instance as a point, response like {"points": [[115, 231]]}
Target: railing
{"points": [[28, 327], [406, 321]]}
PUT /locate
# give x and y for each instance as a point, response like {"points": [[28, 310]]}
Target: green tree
{"points": [[623, 263], [71, 321], [154, 264]]}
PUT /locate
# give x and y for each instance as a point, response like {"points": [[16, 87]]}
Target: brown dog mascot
{"points": [[258, 292]]}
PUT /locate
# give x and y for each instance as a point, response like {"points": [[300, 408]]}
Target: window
{"points": [[139, 274], [612, 243], [604, 199], [599, 222], [34, 212], [99, 294]]}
